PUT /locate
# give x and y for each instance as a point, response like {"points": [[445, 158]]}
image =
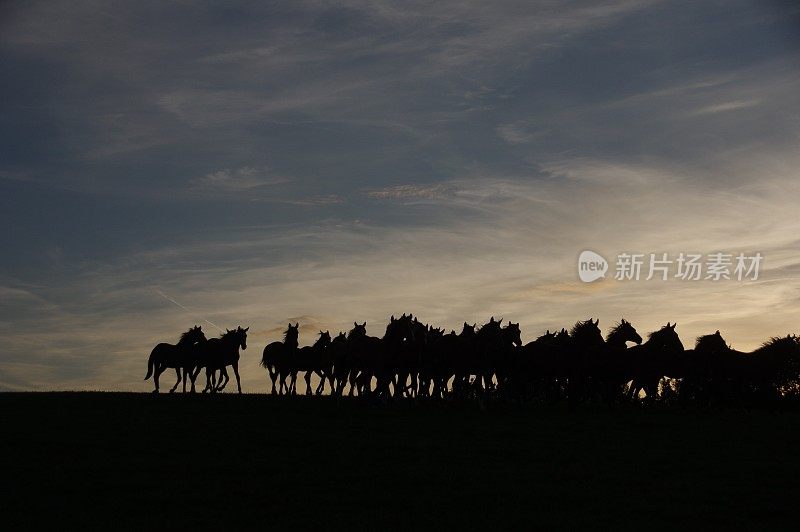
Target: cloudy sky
{"points": [[165, 164]]}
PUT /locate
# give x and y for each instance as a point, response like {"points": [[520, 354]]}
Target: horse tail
{"points": [[150, 364], [263, 362]]}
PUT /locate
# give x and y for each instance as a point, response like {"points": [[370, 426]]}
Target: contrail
{"points": [[165, 296]]}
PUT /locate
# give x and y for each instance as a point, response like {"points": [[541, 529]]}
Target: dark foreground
{"points": [[115, 460]]}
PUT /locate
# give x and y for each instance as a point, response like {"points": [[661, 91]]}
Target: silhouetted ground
{"points": [[141, 461]]}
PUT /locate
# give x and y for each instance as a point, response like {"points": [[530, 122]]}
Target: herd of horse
{"points": [[414, 359]]}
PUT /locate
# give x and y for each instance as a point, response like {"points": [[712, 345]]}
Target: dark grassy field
{"points": [[138, 461]]}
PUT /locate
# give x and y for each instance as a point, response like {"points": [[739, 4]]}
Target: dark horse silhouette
{"points": [[660, 356], [277, 357], [715, 371], [313, 359], [217, 354], [181, 357]]}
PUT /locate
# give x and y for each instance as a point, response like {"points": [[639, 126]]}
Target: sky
{"points": [[166, 164]]}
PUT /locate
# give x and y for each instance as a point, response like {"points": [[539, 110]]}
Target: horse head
{"points": [[665, 339], [324, 339], [512, 334], [587, 333], [192, 336], [359, 330], [468, 330], [622, 333], [241, 335], [711, 343]]}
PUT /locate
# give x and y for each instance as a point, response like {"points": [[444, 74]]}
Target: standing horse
{"points": [[180, 357], [218, 353], [408, 359], [277, 356], [340, 370]]}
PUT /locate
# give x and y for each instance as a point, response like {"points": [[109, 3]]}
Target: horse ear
{"points": [[674, 325], [246, 329], [356, 324], [392, 318], [597, 321]]}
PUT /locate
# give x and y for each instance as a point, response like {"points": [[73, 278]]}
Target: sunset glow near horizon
{"points": [[171, 165]]}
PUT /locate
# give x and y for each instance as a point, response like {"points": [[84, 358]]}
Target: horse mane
{"points": [[709, 340], [354, 334], [653, 334], [775, 342], [580, 326], [185, 337], [286, 333], [228, 334], [615, 330]]}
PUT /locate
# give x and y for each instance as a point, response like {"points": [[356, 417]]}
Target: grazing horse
{"points": [[661, 355], [218, 353], [278, 355], [181, 357], [313, 359]]}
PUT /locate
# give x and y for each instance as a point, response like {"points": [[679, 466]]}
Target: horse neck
{"points": [[616, 340], [185, 341], [321, 344], [291, 343], [583, 341]]}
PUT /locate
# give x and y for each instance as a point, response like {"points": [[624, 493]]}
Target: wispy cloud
{"points": [[238, 180]]}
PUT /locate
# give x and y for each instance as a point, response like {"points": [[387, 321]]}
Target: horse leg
{"points": [[321, 386], [156, 374], [351, 378], [177, 382], [272, 376], [209, 379], [307, 378], [236, 373], [223, 379]]}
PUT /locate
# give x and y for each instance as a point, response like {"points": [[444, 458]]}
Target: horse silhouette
{"points": [[218, 353], [313, 359], [719, 373], [661, 355], [277, 357], [181, 357], [416, 360]]}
